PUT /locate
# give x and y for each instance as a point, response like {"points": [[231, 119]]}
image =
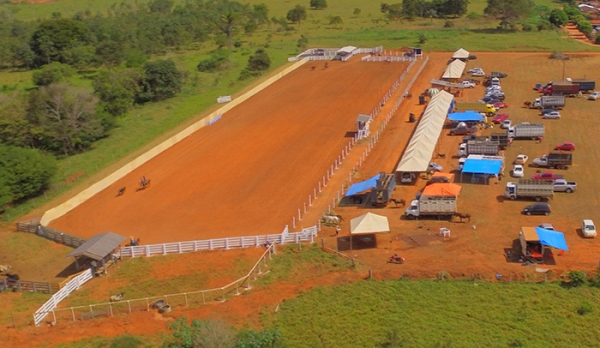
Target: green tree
{"points": [[268, 338], [23, 56], [161, 6], [410, 8], [227, 17], [507, 11], [585, 27], [453, 8], [577, 278], [81, 57], [260, 61], [216, 61], [336, 20], [597, 40], [558, 17], [54, 37], [23, 173], [161, 80], [135, 58], [318, 4], [357, 11], [297, 14], [54, 72], [117, 89], [14, 127], [110, 53], [302, 43]]}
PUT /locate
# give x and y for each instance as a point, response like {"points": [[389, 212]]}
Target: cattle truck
{"points": [[529, 188], [486, 109], [586, 86], [431, 206], [502, 138], [549, 102], [554, 160], [384, 187], [479, 147], [562, 88], [526, 131]]}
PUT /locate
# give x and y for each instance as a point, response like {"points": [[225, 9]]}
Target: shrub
{"points": [[577, 278], [558, 55], [528, 27], [448, 24], [217, 60], [597, 39], [259, 61], [443, 275], [585, 308], [126, 341], [474, 15], [54, 72]]}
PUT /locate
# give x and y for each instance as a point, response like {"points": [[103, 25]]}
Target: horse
{"points": [[117, 298], [144, 183], [463, 216], [398, 201], [332, 219], [121, 191]]}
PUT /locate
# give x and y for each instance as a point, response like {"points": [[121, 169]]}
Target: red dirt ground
{"points": [[249, 172]]}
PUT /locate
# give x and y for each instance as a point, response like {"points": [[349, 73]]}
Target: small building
{"points": [[482, 168], [344, 53], [461, 54], [97, 251], [362, 124]]}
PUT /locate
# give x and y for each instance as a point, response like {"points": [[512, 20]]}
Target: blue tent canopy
{"points": [[482, 166], [363, 185], [465, 116], [552, 238]]}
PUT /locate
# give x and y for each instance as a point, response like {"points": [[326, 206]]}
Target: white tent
{"points": [[369, 223], [454, 69], [420, 149], [461, 54]]}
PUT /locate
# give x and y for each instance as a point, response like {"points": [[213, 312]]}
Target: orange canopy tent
{"points": [[442, 190]]}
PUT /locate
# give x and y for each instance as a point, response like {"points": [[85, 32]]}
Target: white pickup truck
{"points": [[562, 185], [468, 84]]}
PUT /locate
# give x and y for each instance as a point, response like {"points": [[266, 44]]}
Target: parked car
{"points": [[506, 124], [478, 73], [435, 167], [594, 95], [468, 84], [546, 226], [566, 146], [518, 171], [500, 118], [588, 229], [461, 163], [552, 115], [546, 111], [521, 159], [489, 100], [475, 70], [547, 176], [500, 105], [537, 209], [537, 87], [472, 56]]}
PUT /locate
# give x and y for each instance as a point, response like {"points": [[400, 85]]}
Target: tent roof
{"points": [[441, 189], [418, 153], [347, 49], [552, 238], [363, 185], [482, 166], [363, 118], [465, 116], [454, 69], [99, 246], [461, 54], [369, 223], [446, 83], [530, 234]]}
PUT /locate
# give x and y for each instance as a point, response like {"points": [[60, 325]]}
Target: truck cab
{"points": [[413, 211], [511, 190]]}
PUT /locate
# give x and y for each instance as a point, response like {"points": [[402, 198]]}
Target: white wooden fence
{"points": [[51, 304], [307, 234], [388, 58]]}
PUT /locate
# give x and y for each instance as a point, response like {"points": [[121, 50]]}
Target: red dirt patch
{"points": [[74, 177]]}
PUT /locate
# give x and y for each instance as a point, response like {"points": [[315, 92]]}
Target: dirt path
{"points": [[575, 34]]}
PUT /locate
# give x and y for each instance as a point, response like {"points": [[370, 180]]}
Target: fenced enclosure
{"points": [[185, 299], [307, 234], [33, 226], [29, 286]]}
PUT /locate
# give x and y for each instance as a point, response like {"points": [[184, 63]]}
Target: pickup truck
{"points": [[547, 176], [468, 84], [562, 185]]}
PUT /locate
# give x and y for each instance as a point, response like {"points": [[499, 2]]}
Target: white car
{"points": [[478, 73], [505, 124], [474, 70], [518, 171], [552, 115], [521, 159], [435, 167], [468, 84], [588, 229], [546, 226], [595, 95], [461, 163]]}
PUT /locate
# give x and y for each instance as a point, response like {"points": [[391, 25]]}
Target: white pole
{"points": [[333, 200], [304, 207], [309, 201], [336, 164], [342, 190], [330, 209], [327, 176], [350, 177], [299, 217], [315, 190], [332, 169], [338, 193], [293, 222]]}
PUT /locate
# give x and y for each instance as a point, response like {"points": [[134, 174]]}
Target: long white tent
{"points": [[461, 54], [454, 69], [422, 144]]}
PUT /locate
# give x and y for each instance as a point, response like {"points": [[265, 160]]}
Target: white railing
{"points": [[307, 234], [51, 304], [388, 58], [377, 49]]}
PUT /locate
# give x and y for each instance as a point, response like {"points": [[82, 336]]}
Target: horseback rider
{"points": [[144, 181]]}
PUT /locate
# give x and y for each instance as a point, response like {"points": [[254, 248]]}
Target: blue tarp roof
{"points": [[465, 116], [552, 238], [482, 166], [363, 185]]}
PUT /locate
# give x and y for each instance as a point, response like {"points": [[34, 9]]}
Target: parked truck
{"points": [[502, 138], [562, 88], [562, 185], [483, 108], [586, 86], [526, 130], [554, 160], [527, 188], [431, 206], [383, 190], [479, 147], [548, 102]]}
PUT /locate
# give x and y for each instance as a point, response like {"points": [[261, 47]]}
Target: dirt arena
{"points": [[248, 173]]}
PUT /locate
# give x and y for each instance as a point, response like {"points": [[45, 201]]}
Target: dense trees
{"points": [[55, 37], [507, 11], [426, 9], [161, 80], [558, 17], [297, 14], [318, 4]]}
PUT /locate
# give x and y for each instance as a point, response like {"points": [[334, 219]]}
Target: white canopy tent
{"points": [[420, 149], [369, 223], [461, 54], [454, 69]]}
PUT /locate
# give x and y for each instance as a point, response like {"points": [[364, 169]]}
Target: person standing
{"points": [[337, 230]]}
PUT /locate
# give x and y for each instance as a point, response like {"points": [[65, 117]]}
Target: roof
{"points": [[369, 223], [99, 246], [447, 189], [530, 234], [418, 153], [446, 83], [461, 54], [454, 69], [552, 238], [363, 118], [465, 116], [363, 185], [346, 49], [482, 166]]}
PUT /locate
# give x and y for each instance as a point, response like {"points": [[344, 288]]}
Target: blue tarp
{"points": [[465, 116], [482, 166], [552, 238], [363, 185]]}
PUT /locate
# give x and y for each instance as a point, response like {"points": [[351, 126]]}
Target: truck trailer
{"points": [[554, 160], [502, 138], [479, 147], [431, 206], [526, 130], [383, 190], [562, 88], [586, 86], [549, 102], [529, 188]]}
